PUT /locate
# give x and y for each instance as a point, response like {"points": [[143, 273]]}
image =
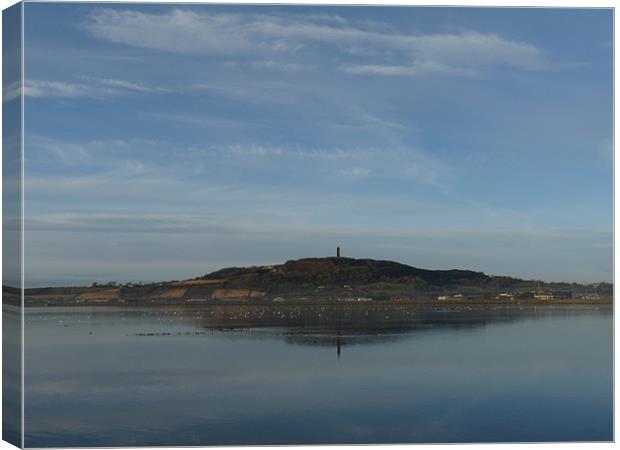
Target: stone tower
{"points": [[337, 252]]}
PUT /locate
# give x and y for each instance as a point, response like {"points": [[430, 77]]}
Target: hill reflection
{"points": [[319, 325], [347, 325]]}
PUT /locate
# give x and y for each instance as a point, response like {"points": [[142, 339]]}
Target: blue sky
{"points": [[164, 142]]}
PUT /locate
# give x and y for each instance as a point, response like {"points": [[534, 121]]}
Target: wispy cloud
{"points": [[204, 120], [214, 222], [462, 53], [12, 91], [290, 152], [414, 69], [277, 65], [103, 153], [98, 88], [125, 157], [124, 85], [45, 88], [355, 163]]}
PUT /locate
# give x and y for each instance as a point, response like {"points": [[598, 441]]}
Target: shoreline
{"points": [[309, 303]]}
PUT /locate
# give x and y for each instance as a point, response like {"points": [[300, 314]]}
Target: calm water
{"points": [[358, 374]]}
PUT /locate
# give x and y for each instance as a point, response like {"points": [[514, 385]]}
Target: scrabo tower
{"points": [[337, 252]]}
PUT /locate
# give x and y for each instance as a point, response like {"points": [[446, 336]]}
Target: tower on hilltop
{"points": [[337, 252]]}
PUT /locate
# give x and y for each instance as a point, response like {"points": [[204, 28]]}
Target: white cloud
{"points": [[204, 120], [102, 153], [43, 88], [304, 153], [462, 53], [387, 163], [177, 31], [415, 69], [275, 65], [124, 85], [87, 87], [128, 157], [12, 91]]}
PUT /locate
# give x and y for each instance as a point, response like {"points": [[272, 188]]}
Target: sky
{"points": [[168, 141]]}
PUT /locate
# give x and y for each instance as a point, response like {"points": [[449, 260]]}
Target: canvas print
{"points": [[306, 224]]}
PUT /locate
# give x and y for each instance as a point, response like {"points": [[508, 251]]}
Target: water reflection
{"points": [[344, 325], [354, 374], [11, 374]]}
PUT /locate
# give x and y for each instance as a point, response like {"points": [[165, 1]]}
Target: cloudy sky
{"points": [[164, 142]]}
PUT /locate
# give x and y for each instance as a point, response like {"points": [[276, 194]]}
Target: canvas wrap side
{"points": [[12, 225]]}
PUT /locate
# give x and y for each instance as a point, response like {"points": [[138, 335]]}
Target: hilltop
{"points": [[325, 280], [339, 270]]}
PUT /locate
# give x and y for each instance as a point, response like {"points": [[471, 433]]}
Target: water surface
{"points": [[238, 375]]}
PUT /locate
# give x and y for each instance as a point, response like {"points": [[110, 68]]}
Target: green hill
{"points": [[329, 271], [321, 279]]}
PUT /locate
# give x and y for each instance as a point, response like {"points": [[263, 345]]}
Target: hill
{"points": [[330, 271], [324, 280]]}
